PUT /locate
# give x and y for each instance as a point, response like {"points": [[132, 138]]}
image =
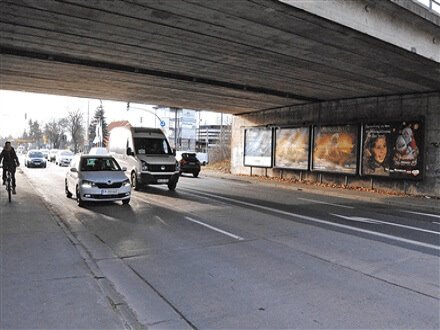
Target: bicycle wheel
{"points": [[8, 187]]}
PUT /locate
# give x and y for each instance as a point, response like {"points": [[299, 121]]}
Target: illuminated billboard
{"points": [[393, 150], [292, 148], [258, 147], [335, 149]]}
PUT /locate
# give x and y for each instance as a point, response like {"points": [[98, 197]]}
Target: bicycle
{"points": [[8, 184]]}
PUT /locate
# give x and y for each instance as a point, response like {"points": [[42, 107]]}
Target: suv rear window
{"points": [[190, 157]]}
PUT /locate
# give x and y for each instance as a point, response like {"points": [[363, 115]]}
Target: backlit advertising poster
{"points": [[335, 149], [258, 147], [393, 150], [292, 148]]}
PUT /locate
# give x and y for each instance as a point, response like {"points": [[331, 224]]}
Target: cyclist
{"points": [[11, 162]]}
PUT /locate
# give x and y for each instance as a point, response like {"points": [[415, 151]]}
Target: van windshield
{"points": [[151, 146]]}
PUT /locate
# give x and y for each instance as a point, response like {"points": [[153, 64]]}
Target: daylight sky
{"points": [[14, 106]]}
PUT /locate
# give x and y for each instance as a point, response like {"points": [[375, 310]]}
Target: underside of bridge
{"points": [[229, 56]]}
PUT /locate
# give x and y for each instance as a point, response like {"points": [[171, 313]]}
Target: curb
{"points": [[415, 203]]}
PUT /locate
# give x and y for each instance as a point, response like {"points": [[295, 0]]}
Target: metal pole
{"points": [[175, 128], [221, 129], [198, 135], [88, 123]]}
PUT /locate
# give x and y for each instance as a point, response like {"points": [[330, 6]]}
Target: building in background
{"points": [[192, 130]]}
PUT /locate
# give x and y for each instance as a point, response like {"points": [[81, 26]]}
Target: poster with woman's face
{"points": [[258, 147], [393, 149], [292, 148], [335, 149], [376, 150]]}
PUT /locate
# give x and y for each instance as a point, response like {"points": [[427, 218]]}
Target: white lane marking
{"points": [[373, 233], [356, 219], [321, 202], [369, 220], [215, 228], [160, 220], [420, 213]]}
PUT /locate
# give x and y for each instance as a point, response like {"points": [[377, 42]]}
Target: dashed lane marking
{"points": [[326, 203], [215, 228], [421, 213]]}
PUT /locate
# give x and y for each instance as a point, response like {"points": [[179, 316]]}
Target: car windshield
{"points": [[35, 154], [66, 153], [99, 164], [151, 146]]}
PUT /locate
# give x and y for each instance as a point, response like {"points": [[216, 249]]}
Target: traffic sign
{"points": [[162, 123]]}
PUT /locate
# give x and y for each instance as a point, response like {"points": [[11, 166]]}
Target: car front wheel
{"points": [[172, 185], [78, 197], [134, 181], [66, 188]]}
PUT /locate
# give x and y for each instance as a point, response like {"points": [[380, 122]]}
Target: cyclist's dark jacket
{"points": [[10, 159]]}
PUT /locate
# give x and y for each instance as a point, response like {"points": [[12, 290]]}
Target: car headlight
{"points": [[88, 184], [144, 166], [126, 183]]}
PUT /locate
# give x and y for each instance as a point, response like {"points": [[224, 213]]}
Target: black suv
{"points": [[189, 164]]}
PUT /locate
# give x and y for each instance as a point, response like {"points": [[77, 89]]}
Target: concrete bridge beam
{"points": [[403, 23]]}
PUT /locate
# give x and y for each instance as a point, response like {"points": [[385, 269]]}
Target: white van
{"points": [[146, 154]]}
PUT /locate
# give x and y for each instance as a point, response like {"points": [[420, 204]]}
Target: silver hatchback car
{"points": [[97, 178]]}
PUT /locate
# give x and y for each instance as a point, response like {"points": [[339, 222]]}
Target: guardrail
{"points": [[432, 5]]}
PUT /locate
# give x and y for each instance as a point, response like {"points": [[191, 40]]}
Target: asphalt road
{"points": [[233, 254]]}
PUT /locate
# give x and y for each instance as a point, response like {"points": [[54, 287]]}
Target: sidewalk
{"points": [[44, 281], [420, 204]]}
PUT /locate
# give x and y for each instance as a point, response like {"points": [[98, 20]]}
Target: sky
{"points": [[16, 108]]}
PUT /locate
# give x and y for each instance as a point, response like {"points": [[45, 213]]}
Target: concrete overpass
{"points": [[313, 62], [231, 56]]}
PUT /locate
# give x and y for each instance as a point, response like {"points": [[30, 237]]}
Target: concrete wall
{"points": [[393, 108], [403, 23]]}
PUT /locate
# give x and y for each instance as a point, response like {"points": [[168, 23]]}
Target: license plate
{"points": [[162, 180], [109, 191]]}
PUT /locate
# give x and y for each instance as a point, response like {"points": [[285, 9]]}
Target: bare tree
{"points": [[75, 126], [54, 131]]}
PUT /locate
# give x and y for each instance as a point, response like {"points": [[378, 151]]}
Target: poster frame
{"points": [[309, 127], [420, 119], [271, 149], [356, 172]]}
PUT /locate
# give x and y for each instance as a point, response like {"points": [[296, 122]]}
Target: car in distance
{"points": [[34, 158], [63, 157], [202, 157], [189, 164], [98, 151], [45, 153], [97, 178], [52, 154]]}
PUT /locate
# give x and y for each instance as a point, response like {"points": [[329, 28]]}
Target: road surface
{"points": [[220, 253]]}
